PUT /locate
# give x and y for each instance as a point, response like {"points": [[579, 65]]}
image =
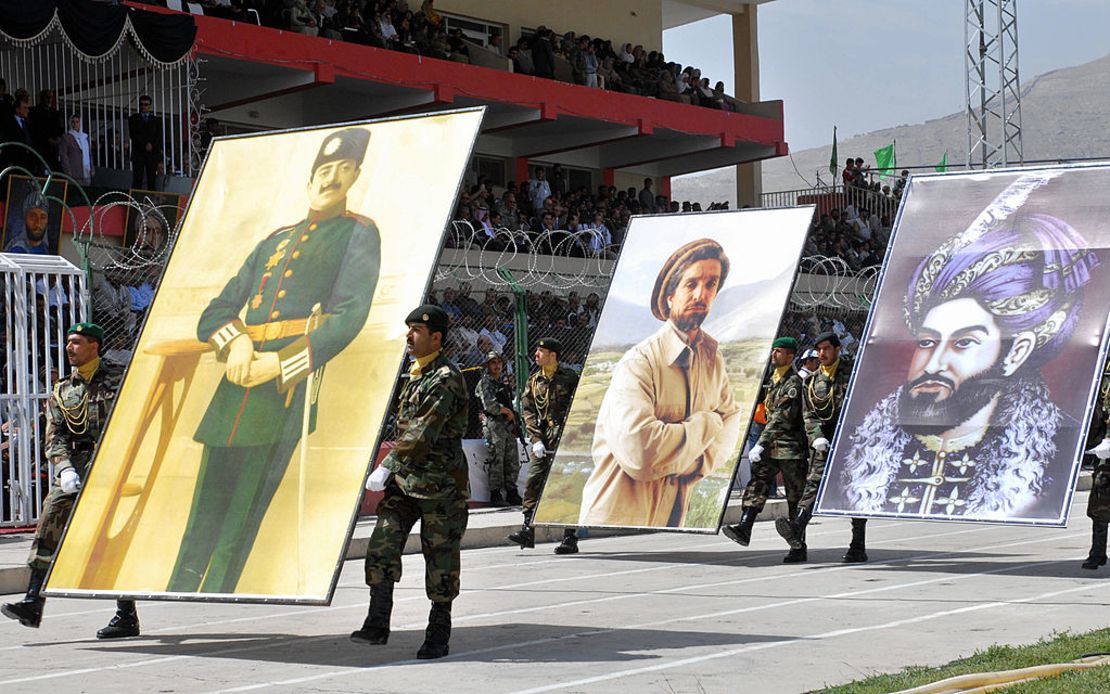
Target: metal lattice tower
{"points": [[993, 89]]}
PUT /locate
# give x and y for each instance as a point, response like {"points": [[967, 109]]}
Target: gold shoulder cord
{"points": [[822, 406], [77, 417], [542, 399]]}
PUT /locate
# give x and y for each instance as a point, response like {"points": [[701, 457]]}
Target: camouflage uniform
{"points": [[822, 398], [503, 462], [545, 404], [784, 443], [69, 444], [429, 482]]}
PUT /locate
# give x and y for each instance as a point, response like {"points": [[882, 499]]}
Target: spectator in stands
{"points": [[490, 331], [47, 128], [75, 152], [389, 33], [522, 57], [543, 53], [848, 175], [647, 198], [145, 130], [7, 103], [540, 190], [17, 129], [457, 49], [449, 304], [300, 19], [900, 184]]}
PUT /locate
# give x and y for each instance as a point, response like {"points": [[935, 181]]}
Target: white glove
{"points": [[755, 453], [1102, 450], [377, 480], [821, 445], [69, 480], [538, 449]]}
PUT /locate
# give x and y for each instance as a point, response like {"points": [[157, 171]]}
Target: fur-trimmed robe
{"points": [[1014, 457]]}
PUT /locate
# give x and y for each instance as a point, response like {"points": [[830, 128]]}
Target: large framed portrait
{"points": [[656, 426], [974, 389], [152, 217], [234, 460], [33, 215]]}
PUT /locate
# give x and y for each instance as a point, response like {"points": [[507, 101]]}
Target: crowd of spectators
{"points": [[557, 218], [396, 25]]}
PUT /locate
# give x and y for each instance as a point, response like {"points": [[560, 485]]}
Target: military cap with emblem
{"points": [[345, 144], [550, 344], [701, 249], [430, 315], [830, 337], [785, 343], [90, 330]]}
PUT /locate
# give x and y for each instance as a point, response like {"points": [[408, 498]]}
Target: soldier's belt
{"points": [[283, 328]]}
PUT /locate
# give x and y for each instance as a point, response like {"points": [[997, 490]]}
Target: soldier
{"points": [[545, 403], [822, 399], [1098, 503], [424, 478], [499, 422], [300, 297], [784, 442], [76, 414]]}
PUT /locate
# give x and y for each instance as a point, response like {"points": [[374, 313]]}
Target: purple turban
{"points": [[1027, 271]]}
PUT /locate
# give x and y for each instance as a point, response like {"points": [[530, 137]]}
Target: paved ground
{"points": [[645, 613]]}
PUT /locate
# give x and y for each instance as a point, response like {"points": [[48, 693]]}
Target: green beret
{"points": [[90, 330], [830, 337], [785, 343], [701, 249], [345, 144], [550, 344], [430, 315]]}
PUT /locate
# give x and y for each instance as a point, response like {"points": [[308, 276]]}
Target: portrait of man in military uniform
{"points": [[234, 462], [974, 431], [306, 290], [33, 222]]}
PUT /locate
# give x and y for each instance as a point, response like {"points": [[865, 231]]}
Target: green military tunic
{"points": [[304, 292], [1098, 503], [429, 482], [545, 404], [75, 417], [784, 443], [822, 398]]}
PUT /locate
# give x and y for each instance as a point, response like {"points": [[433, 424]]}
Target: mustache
{"points": [[986, 380], [330, 187]]}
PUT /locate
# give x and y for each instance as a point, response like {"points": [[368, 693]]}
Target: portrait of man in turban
{"points": [[669, 417], [973, 432]]}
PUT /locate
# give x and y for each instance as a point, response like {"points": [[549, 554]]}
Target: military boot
{"points": [[1097, 557], [741, 533], [857, 552], [28, 610], [512, 497], [375, 630], [525, 537], [797, 556], [569, 545], [438, 633], [125, 622], [793, 531]]}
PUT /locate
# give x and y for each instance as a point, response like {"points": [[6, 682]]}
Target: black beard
{"points": [[924, 415], [689, 321]]}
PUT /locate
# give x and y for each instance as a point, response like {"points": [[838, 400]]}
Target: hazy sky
{"points": [[863, 65]]}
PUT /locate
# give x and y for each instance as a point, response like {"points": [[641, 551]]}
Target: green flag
{"points": [[832, 159], [943, 165], [886, 160]]}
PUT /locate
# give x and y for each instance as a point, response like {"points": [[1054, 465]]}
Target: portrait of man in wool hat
{"points": [[653, 435], [975, 430]]}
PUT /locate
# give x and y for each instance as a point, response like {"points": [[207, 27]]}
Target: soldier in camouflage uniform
{"points": [[498, 422], [424, 478], [783, 440], [545, 403], [76, 414], [822, 399], [1098, 503]]}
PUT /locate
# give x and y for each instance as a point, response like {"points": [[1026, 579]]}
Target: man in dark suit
{"points": [[16, 128], [145, 129]]}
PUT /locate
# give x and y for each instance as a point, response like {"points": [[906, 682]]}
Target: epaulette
{"points": [[361, 219]]}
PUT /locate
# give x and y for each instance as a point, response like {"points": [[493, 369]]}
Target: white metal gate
{"points": [[43, 296]]}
